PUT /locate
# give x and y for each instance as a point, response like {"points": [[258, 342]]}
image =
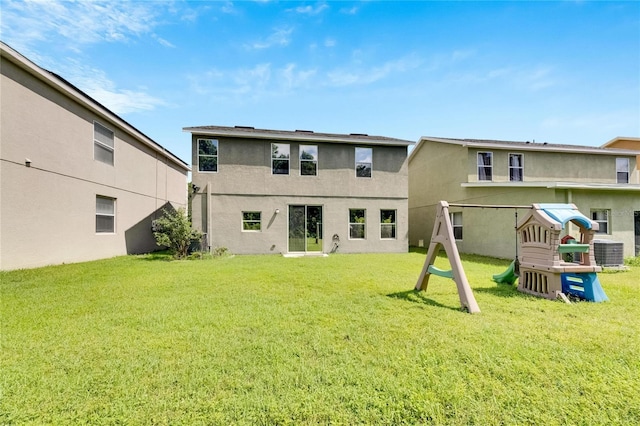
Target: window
{"points": [[102, 144], [280, 158], [105, 215], [207, 155], [622, 170], [516, 168], [308, 160], [456, 224], [485, 166], [357, 224], [251, 221], [388, 224], [602, 218], [364, 161]]}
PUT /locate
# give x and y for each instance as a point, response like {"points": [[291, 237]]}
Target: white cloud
{"points": [[96, 84], [76, 23], [364, 76], [261, 80], [350, 11], [329, 42], [280, 37], [310, 10]]}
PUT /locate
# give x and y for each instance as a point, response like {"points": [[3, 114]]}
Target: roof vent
{"points": [[245, 127], [358, 134], [304, 131]]}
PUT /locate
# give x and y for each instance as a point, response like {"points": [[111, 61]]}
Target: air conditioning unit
{"points": [[608, 253]]}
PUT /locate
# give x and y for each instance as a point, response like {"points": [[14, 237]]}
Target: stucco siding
{"points": [[49, 178], [443, 171], [244, 167], [226, 224]]}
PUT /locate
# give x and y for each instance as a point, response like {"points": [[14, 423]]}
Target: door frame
{"points": [[306, 206]]}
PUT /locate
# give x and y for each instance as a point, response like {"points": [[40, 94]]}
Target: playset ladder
{"points": [[442, 236]]}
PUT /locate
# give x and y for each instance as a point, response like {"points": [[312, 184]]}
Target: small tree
{"points": [[173, 230]]}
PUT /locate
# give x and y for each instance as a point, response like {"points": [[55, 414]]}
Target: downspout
{"points": [[208, 210]]}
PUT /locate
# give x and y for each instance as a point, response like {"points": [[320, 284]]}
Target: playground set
{"points": [[549, 265]]}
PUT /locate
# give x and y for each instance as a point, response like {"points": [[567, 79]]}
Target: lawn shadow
{"points": [[418, 297], [501, 290], [156, 256]]}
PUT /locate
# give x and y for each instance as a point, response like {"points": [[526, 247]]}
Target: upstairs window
{"points": [[308, 160], [516, 168], [364, 162], [251, 221], [456, 224], [388, 224], [622, 170], [105, 215], [207, 155], [602, 218], [280, 158], [103, 144], [485, 166], [357, 224]]}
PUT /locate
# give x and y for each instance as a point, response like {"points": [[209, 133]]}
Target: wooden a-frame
{"points": [[442, 236]]}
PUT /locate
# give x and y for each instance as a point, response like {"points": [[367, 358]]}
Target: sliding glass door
{"points": [[305, 228]]}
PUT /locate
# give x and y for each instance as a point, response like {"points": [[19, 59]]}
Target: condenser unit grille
{"points": [[608, 253]]}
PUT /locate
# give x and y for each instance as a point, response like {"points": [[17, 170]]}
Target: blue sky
{"points": [[560, 72]]}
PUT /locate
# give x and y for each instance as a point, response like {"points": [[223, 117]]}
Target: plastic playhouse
{"points": [[548, 265], [544, 271]]}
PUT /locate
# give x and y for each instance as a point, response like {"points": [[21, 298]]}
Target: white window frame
{"points": [[103, 214], [216, 156], [251, 221], [314, 161], [521, 167], [370, 163], [457, 224], [606, 221], [490, 166], [624, 162], [101, 145], [288, 158], [394, 224], [363, 224]]}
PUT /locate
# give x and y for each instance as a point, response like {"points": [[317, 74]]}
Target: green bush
{"points": [[173, 230]]}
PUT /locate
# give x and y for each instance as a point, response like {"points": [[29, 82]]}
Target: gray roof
{"points": [[296, 135], [528, 146]]}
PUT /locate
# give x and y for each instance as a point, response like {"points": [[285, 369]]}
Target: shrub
{"points": [[173, 230]]}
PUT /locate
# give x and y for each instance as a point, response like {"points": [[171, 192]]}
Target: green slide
{"points": [[507, 277]]}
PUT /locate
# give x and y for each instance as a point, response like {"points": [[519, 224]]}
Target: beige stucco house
{"points": [[604, 183], [299, 192], [77, 182]]}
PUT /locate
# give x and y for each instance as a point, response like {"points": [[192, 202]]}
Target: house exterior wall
{"points": [[48, 208], [444, 171], [244, 182]]}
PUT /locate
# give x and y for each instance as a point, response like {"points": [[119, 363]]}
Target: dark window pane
{"points": [[356, 230], [363, 170], [207, 147], [105, 223], [280, 167], [308, 168], [207, 164]]}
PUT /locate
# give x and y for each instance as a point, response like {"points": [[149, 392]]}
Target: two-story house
{"points": [[299, 192], [77, 182], [604, 183]]}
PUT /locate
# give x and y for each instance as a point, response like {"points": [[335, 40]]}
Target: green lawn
{"points": [[335, 340]]}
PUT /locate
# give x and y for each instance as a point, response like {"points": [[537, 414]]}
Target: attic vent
{"points": [[245, 127], [304, 131], [358, 134]]}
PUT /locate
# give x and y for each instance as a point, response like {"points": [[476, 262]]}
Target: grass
{"points": [[336, 340]]}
